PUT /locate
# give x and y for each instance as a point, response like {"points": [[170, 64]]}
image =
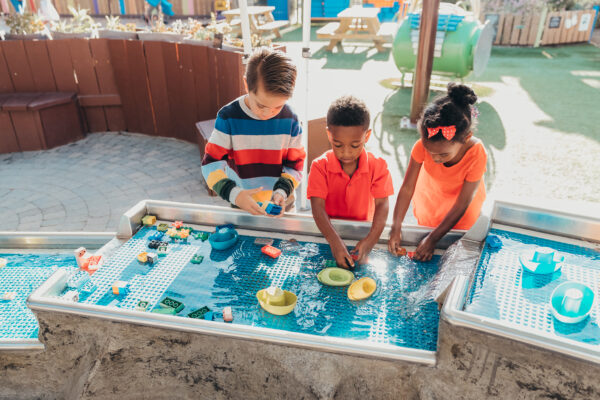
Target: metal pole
{"points": [[306, 55], [428, 29], [246, 38]]}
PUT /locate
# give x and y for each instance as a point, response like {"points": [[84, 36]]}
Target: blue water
{"points": [[502, 290], [399, 313], [23, 274]]}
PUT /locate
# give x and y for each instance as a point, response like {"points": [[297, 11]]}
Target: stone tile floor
{"points": [[89, 184]]}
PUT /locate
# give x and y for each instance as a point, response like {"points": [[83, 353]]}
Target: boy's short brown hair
{"points": [[273, 69], [348, 111]]}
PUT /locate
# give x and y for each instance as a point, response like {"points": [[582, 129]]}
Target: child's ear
{"points": [[469, 136], [245, 84], [328, 134], [368, 135]]}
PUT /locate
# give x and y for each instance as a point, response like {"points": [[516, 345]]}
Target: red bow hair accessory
{"points": [[447, 131]]}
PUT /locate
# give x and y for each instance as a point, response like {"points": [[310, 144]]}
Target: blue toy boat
{"points": [[541, 260], [571, 302]]}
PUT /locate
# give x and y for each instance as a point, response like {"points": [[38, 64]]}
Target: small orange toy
{"points": [[401, 252], [271, 251], [177, 224], [410, 254]]}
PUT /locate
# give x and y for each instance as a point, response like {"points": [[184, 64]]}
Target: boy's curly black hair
{"points": [[348, 111], [454, 108]]}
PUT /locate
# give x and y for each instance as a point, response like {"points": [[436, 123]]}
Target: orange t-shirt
{"points": [[349, 197], [438, 186]]}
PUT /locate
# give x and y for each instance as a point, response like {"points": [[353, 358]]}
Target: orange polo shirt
{"points": [[438, 186], [349, 197]]}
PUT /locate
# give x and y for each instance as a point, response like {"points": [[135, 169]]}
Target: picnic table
{"points": [[261, 20], [358, 23]]}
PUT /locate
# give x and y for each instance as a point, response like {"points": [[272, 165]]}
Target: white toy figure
{"points": [[87, 261], [3, 262]]}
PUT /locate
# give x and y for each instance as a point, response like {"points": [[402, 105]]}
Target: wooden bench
{"points": [[273, 26], [37, 121], [328, 31]]}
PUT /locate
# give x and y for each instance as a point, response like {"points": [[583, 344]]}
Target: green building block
{"points": [[197, 259], [201, 236], [162, 251], [168, 302], [199, 313], [164, 310], [329, 263], [162, 227], [142, 305]]}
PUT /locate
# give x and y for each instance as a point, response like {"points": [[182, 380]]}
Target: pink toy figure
{"points": [[227, 314], [86, 261], [177, 224]]}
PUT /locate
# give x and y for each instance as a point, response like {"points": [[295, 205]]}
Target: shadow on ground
{"points": [[549, 75]]}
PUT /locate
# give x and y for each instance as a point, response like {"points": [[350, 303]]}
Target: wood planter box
{"points": [[36, 121], [160, 36], [109, 34], [71, 35]]}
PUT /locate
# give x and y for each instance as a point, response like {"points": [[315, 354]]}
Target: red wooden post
{"points": [[428, 29]]}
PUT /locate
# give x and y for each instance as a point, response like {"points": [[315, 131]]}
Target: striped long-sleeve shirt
{"points": [[245, 152]]}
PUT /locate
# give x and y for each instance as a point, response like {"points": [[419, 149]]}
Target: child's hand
{"points": [[279, 199], [394, 243], [342, 257], [245, 201], [424, 251], [361, 251]]}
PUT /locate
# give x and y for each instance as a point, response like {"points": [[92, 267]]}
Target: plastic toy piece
{"points": [[142, 305], [172, 232], [197, 259], [71, 295], [541, 260], [335, 277], [223, 238], [201, 236], [3, 262], [189, 229], [87, 261], [151, 258], [270, 208], [263, 241], [77, 280], [162, 227], [354, 257], [157, 236], [183, 234], [209, 316], [571, 302], [199, 313], [120, 288], [402, 252], [154, 244], [330, 264], [8, 296], [168, 302], [493, 241], [162, 250], [88, 288], [362, 289], [177, 224], [271, 251], [164, 310], [276, 301], [410, 254], [224, 226], [142, 257], [149, 220], [227, 314]]}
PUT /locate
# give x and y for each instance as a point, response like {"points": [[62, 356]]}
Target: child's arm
{"points": [[293, 163], [214, 163], [364, 247], [338, 248], [402, 203], [424, 250]]}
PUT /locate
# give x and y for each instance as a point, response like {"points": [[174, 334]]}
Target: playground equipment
{"points": [[462, 44]]}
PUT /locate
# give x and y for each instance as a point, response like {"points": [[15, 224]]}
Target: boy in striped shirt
{"points": [[255, 152]]}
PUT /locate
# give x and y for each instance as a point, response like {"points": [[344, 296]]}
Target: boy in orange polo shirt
{"points": [[349, 182]]}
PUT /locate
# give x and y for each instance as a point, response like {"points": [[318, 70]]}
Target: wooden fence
{"points": [[156, 88], [558, 27], [113, 7]]}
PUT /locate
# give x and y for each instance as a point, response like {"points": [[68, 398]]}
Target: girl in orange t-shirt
{"points": [[444, 177]]}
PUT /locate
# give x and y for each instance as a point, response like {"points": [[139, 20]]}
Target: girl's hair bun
{"points": [[461, 95]]}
